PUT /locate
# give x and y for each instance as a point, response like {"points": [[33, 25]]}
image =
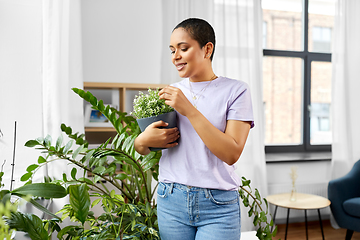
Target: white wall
{"points": [[20, 82], [121, 40]]}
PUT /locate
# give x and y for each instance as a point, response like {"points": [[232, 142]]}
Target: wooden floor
{"points": [[296, 231]]}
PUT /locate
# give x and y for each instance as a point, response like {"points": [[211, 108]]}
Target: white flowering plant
{"points": [[150, 105]]}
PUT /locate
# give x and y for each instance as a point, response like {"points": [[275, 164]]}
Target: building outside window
{"points": [[297, 74]]}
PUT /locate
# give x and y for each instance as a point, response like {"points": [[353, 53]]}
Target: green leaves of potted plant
{"points": [[149, 108], [128, 209]]}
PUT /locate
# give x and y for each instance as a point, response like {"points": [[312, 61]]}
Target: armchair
{"points": [[344, 194]]}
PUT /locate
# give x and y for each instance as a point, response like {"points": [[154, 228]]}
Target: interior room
{"points": [[299, 58]]}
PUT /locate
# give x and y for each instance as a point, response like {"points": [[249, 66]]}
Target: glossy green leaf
{"points": [[112, 117], [263, 217], [101, 106], [59, 142], [45, 190], [48, 141], [63, 127], [88, 155], [147, 158], [121, 176], [80, 201], [32, 167], [127, 143], [99, 170], [73, 173], [66, 129], [68, 146], [110, 170], [26, 176], [42, 208], [29, 223], [257, 195], [95, 202], [113, 143], [64, 177], [150, 164], [77, 151], [80, 141], [97, 178], [112, 193], [93, 100], [246, 202], [118, 125], [41, 160], [245, 182], [32, 143]]}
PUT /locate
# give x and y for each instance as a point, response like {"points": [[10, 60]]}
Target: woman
{"points": [[198, 188]]}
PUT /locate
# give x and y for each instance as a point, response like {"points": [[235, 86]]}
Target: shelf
{"points": [[100, 129], [130, 86]]}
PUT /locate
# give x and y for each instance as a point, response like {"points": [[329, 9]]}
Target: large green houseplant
{"points": [[129, 210]]}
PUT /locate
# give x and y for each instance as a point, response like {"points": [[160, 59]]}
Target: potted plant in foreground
{"points": [[149, 108], [11, 219], [128, 207]]}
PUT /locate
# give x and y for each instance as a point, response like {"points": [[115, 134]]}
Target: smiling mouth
{"points": [[179, 67]]}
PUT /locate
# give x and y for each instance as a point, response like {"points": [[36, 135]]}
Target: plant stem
{"points": [[254, 198], [140, 170]]}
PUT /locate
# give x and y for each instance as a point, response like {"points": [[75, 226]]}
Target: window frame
{"points": [[308, 58]]}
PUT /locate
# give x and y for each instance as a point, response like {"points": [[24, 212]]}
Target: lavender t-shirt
{"points": [[191, 162]]}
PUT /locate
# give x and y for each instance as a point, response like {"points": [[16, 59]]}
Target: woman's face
{"points": [[186, 54]]}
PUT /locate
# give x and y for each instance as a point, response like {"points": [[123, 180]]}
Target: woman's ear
{"points": [[209, 47]]}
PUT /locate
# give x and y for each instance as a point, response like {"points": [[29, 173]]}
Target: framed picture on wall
{"points": [[94, 118]]}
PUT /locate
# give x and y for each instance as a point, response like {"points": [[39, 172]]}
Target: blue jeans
{"points": [[186, 213]]}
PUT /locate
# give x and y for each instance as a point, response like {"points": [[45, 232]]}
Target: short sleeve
{"points": [[240, 105]]}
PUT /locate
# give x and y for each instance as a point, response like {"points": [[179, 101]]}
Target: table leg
{"points": [[306, 226], [274, 218], [322, 230], [287, 222]]}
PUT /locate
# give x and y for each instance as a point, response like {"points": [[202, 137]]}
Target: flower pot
{"points": [[169, 118]]}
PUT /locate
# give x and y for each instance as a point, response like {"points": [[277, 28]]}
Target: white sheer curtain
{"points": [[345, 87], [238, 55], [62, 70]]}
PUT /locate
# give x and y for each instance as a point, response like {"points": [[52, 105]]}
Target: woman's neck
{"points": [[208, 76]]}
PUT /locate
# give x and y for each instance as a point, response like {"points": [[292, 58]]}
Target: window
{"points": [[297, 74], [321, 39]]}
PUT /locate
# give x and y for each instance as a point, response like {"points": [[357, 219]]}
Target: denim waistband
{"points": [[186, 187]]}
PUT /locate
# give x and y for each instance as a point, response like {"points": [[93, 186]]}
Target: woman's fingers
{"points": [[159, 124], [175, 98], [168, 92], [154, 136]]}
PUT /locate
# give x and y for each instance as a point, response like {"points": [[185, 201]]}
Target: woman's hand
{"points": [[156, 137], [175, 98]]}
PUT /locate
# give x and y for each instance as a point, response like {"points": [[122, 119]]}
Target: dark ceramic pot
{"points": [[169, 118]]}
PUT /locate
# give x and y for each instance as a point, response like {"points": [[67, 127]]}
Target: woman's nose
{"points": [[176, 55]]}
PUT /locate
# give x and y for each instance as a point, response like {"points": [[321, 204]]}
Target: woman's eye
{"points": [[172, 52], [184, 49]]}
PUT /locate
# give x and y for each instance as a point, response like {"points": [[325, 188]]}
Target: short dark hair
{"points": [[199, 30]]}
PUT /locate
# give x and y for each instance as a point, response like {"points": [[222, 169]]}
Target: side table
{"points": [[303, 202]]}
